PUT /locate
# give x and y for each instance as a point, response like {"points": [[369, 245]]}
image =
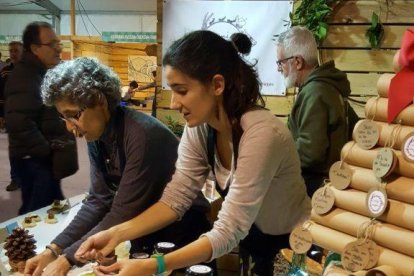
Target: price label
{"points": [[300, 240], [374, 253], [366, 134], [323, 200], [384, 163], [376, 201], [355, 257], [340, 175], [407, 148]]}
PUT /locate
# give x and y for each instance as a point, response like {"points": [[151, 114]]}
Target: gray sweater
{"points": [[150, 151], [266, 188]]}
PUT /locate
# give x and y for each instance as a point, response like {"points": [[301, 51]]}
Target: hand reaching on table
{"points": [[100, 244], [59, 267], [128, 268], [34, 266]]}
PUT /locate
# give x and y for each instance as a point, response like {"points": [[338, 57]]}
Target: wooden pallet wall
{"points": [[346, 44], [115, 55]]}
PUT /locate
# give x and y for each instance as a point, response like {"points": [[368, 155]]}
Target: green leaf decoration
{"points": [[314, 14], [375, 33]]}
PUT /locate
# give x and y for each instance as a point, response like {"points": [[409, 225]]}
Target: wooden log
{"points": [[387, 235], [356, 156], [400, 132], [336, 241], [395, 62], [377, 109], [397, 213], [383, 84], [384, 270], [398, 187]]}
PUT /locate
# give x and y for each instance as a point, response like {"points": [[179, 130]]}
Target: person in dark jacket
{"points": [[31, 125], [318, 120], [132, 157], [15, 53]]}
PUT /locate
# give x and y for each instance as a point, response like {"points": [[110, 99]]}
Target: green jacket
{"points": [[317, 121]]}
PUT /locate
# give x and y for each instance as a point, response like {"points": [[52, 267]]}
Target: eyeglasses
{"points": [[281, 61], [52, 44], [72, 119]]}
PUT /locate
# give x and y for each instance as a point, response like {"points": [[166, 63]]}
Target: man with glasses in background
{"points": [[319, 117], [35, 131]]}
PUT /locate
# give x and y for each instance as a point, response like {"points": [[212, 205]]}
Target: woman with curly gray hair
{"points": [[86, 83], [125, 149]]}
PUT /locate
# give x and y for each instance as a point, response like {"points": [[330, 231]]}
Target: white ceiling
{"points": [[141, 6]]}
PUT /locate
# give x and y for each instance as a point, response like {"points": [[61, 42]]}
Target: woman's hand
{"points": [[103, 242], [59, 267], [128, 267], [34, 266]]}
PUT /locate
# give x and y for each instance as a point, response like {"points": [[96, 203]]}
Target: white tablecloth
{"points": [[44, 233]]}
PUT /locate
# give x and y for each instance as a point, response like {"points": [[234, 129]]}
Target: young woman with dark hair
{"points": [[250, 152]]}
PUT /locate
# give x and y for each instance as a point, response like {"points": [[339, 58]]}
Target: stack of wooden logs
{"points": [[394, 232]]}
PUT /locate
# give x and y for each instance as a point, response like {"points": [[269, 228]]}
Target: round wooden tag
{"points": [[323, 200], [366, 134], [376, 201], [340, 176], [374, 253], [354, 256], [384, 163], [300, 240], [407, 148]]}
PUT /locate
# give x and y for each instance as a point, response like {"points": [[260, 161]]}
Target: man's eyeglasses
{"points": [[52, 44], [72, 119], [281, 61]]}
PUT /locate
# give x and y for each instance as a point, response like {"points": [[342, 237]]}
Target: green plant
{"points": [[313, 14], [174, 126], [375, 33]]}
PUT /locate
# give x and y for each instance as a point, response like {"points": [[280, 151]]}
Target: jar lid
{"points": [[140, 255], [164, 247], [165, 244], [199, 270]]}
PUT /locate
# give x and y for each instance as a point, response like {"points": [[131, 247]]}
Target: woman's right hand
{"points": [[98, 245], [34, 266]]}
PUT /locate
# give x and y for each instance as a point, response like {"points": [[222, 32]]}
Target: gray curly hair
{"points": [[82, 81]]}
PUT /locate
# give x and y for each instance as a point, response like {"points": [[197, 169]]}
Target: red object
{"points": [[401, 92]]}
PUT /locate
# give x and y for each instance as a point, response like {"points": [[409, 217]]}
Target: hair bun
{"points": [[242, 43]]}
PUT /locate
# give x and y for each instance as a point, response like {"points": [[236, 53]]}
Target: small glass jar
{"points": [[164, 248], [198, 270]]}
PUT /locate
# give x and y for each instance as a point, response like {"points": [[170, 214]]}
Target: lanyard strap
{"points": [[111, 180]]}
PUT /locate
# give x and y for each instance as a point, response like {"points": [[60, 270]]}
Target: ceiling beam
{"points": [[49, 6], [120, 12], [42, 12]]}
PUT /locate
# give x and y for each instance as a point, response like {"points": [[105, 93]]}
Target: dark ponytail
{"points": [[203, 54]]}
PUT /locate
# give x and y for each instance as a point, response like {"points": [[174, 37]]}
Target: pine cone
{"points": [[20, 246]]}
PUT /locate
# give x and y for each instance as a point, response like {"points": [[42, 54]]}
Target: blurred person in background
{"points": [[42, 149], [15, 54], [320, 117]]}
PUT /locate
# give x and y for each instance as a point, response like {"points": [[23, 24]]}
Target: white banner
{"points": [[260, 20]]}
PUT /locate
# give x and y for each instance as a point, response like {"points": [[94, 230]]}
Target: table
{"points": [[43, 233]]}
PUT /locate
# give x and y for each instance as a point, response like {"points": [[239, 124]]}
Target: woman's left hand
{"points": [[127, 267], [59, 267]]}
